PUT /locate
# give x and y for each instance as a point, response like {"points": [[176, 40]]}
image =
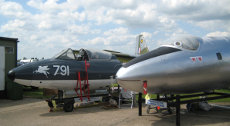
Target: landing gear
{"points": [[66, 103]]}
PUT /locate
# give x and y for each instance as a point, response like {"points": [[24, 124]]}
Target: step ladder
{"points": [[79, 85]]}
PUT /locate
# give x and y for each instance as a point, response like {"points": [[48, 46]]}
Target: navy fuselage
{"points": [[62, 73], [189, 65]]}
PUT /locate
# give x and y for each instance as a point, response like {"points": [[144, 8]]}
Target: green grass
{"points": [[224, 99], [114, 85], [38, 93]]}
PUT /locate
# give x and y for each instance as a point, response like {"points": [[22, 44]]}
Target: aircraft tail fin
{"points": [[141, 45]]}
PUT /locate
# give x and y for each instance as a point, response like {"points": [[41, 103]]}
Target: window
{"points": [[9, 50]]}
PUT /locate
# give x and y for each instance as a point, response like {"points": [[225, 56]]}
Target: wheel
{"points": [[113, 102], [68, 107], [105, 99]]}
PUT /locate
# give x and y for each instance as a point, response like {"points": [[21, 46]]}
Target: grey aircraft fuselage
{"points": [[61, 72], [190, 64]]}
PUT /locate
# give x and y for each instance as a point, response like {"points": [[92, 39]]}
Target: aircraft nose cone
{"points": [[11, 75], [121, 73]]}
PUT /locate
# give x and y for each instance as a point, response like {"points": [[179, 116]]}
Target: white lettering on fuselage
{"points": [[62, 70]]}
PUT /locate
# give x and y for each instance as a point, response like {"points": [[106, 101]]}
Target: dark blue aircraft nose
{"points": [[11, 75]]}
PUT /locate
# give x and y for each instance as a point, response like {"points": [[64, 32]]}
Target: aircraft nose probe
{"points": [[11, 75]]}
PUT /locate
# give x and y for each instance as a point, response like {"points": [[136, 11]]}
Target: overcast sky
{"points": [[45, 27]]}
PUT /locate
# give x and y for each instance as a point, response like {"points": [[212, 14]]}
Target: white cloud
{"points": [[35, 3], [214, 25], [147, 34], [13, 25], [218, 34], [49, 6], [116, 31], [197, 9], [44, 25], [208, 14], [53, 25], [144, 15], [13, 9], [118, 35], [82, 29], [98, 41]]}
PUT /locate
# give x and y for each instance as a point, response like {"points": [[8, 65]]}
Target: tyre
{"points": [[113, 102], [68, 107], [105, 99]]}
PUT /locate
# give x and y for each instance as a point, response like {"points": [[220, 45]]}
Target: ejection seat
{"points": [[82, 56]]}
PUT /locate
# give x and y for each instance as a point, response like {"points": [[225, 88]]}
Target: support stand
{"points": [[178, 110], [60, 94], [140, 104], [119, 96]]}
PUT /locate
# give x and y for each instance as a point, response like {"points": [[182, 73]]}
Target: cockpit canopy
{"points": [[83, 54], [65, 54], [96, 54], [187, 42], [176, 45]]}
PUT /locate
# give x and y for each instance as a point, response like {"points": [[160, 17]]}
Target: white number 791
{"points": [[63, 70]]}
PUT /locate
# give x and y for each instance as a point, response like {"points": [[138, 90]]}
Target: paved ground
{"points": [[34, 112]]}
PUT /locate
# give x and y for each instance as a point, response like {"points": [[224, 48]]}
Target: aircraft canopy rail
{"points": [[187, 43]]}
